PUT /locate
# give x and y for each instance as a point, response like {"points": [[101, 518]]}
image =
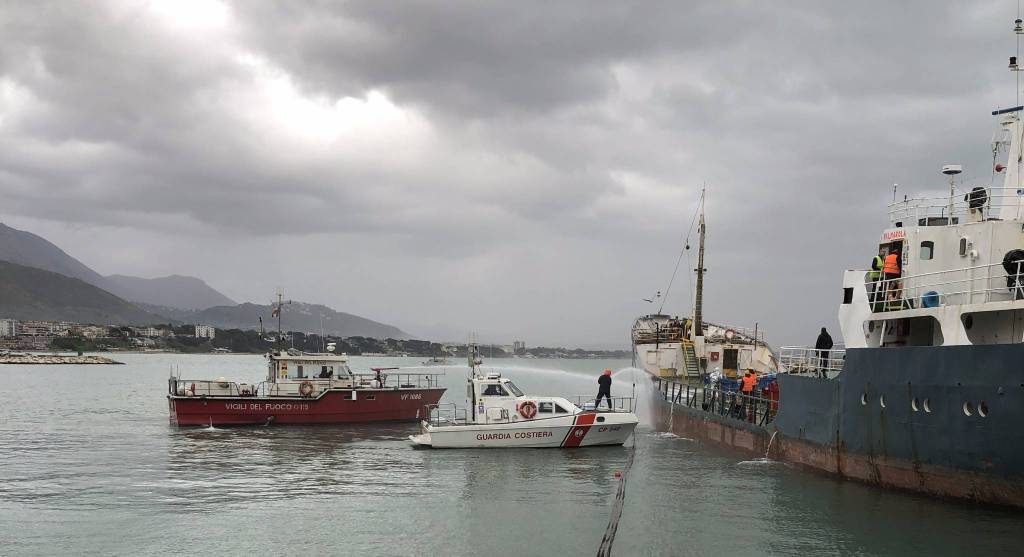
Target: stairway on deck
{"points": [[691, 367]]}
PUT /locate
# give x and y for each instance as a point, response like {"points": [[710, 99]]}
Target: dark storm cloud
{"points": [[561, 146]]}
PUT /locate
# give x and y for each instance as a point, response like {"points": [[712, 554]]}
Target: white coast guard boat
{"points": [[499, 415]]}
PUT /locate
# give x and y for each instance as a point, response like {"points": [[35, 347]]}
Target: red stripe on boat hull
{"points": [[581, 425]]}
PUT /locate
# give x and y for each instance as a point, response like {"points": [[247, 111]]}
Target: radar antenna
{"points": [[1018, 30]]}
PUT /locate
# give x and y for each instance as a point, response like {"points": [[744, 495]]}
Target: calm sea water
{"points": [[90, 466]]}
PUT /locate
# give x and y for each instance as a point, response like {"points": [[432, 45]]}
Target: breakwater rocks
{"points": [[54, 359]]}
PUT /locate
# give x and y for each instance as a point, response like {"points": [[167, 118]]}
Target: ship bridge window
{"points": [[512, 387], [559, 409], [927, 250], [545, 407], [494, 389]]}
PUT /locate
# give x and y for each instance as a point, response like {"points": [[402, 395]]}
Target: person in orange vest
{"points": [[891, 270], [748, 385]]}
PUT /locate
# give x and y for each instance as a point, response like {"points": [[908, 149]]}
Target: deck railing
{"points": [[967, 285], [673, 332], [935, 211], [754, 409], [214, 387], [445, 413], [619, 403], [805, 360]]}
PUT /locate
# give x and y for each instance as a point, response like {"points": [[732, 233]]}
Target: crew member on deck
{"points": [[747, 385], [823, 345], [877, 264], [891, 269], [604, 388]]}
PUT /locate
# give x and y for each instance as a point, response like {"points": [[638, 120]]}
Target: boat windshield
{"points": [[512, 387]]}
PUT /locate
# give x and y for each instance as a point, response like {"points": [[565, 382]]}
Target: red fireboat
{"points": [[305, 388]]}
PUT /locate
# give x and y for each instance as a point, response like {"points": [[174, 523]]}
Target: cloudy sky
{"points": [[523, 170]]}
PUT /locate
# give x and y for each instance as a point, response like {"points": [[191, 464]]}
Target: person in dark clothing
{"points": [[604, 388], [823, 345]]}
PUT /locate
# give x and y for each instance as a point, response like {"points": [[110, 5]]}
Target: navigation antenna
{"points": [[1018, 30], [276, 312]]}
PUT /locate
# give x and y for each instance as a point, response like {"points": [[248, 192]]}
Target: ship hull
{"points": [[334, 406], [863, 425]]}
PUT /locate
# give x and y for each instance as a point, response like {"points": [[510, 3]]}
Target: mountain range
{"points": [[38, 280], [296, 316], [30, 250], [30, 293]]}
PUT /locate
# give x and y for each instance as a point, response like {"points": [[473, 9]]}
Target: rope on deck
{"points": [[605, 549]]}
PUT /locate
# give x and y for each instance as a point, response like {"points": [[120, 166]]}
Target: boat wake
{"points": [[669, 435], [756, 462]]}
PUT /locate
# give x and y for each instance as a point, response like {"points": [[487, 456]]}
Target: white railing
{"points": [[742, 333], [923, 210], [968, 285], [802, 359]]}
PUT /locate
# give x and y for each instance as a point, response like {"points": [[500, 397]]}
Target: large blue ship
{"points": [[926, 391]]}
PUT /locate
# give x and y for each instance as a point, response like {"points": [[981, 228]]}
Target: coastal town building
{"points": [[90, 331], [205, 331], [36, 328], [147, 332], [518, 347], [8, 327]]}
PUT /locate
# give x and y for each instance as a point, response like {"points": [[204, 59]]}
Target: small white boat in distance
{"points": [[499, 415]]}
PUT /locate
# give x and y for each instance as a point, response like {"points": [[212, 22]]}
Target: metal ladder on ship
{"points": [[691, 367]]}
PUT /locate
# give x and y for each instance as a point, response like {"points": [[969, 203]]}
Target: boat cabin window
{"points": [[546, 407], [927, 250], [494, 389], [512, 387], [326, 372], [559, 409], [299, 371]]}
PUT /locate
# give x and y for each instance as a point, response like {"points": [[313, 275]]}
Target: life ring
{"points": [[527, 409], [729, 334], [306, 388]]}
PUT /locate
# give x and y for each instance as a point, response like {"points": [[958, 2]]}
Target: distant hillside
{"points": [[30, 293], [297, 316], [25, 248], [173, 291]]}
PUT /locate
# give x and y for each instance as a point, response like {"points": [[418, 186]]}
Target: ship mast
{"points": [[698, 303], [276, 312]]}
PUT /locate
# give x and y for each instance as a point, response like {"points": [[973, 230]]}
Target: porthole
{"points": [[881, 401], [927, 405], [982, 409], [864, 399], [968, 409], [914, 406]]}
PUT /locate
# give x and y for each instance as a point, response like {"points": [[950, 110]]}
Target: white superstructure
{"points": [[961, 255]]}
